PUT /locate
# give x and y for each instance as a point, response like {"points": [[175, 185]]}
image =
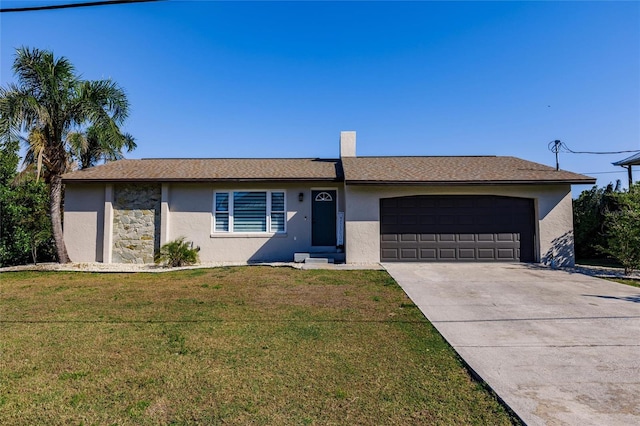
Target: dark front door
{"points": [[323, 218]]}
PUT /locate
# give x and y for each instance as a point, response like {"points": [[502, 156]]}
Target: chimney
{"points": [[347, 144]]}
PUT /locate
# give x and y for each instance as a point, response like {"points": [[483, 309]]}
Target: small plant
{"points": [[177, 253]]}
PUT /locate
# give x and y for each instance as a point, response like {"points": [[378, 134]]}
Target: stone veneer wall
{"points": [[136, 222]]}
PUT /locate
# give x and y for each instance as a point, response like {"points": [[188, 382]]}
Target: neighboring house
{"points": [[628, 163], [370, 209]]}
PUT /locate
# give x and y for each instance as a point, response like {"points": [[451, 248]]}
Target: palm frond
{"points": [[37, 144], [103, 101]]}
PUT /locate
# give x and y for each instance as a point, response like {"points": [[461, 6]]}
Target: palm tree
{"points": [[93, 146], [50, 103]]}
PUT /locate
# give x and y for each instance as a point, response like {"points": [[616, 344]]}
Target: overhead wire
{"points": [[559, 146], [71, 5], [602, 173]]}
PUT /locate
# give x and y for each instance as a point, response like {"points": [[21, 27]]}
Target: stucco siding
{"points": [[187, 211], [190, 215], [554, 219], [84, 221], [556, 228]]}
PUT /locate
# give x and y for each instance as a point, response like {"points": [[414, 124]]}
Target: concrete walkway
{"points": [[558, 347]]}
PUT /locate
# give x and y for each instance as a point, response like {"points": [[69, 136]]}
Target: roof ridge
{"points": [[240, 158], [431, 156]]}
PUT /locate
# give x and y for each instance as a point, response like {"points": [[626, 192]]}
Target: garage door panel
{"points": [[389, 237], [447, 253], [391, 254], [486, 237], [506, 254], [446, 203], [467, 253], [464, 228], [446, 220], [428, 254], [408, 203], [428, 220], [466, 220], [427, 202], [389, 219], [406, 219], [486, 254], [409, 253]]}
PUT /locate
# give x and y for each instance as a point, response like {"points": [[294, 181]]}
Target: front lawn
{"points": [[632, 283], [235, 345]]}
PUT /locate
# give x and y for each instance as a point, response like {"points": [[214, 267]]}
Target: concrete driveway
{"points": [[558, 348]]}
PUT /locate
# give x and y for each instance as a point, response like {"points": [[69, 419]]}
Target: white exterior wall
{"points": [[84, 221], [554, 233], [190, 215]]}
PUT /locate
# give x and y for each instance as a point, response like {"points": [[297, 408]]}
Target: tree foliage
{"points": [[94, 146], [607, 225], [51, 104], [589, 217], [25, 227], [623, 230]]}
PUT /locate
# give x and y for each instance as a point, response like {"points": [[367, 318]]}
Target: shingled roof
{"points": [[453, 170], [211, 170], [353, 170]]}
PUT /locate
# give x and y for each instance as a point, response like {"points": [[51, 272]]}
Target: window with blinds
{"points": [[249, 211]]}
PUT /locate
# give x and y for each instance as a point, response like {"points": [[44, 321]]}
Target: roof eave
{"points": [[203, 180], [474, 182]]}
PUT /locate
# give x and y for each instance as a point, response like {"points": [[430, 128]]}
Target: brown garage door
{"points": [[456, 228]]}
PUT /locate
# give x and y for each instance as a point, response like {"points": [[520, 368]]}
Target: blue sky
{"points": [[282, 79]]}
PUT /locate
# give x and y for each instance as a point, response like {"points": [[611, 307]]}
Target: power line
{"points": [[558, 146], [601, 173], [72, 5]]}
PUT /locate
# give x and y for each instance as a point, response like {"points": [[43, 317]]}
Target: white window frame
{"points": [[268, 213]]}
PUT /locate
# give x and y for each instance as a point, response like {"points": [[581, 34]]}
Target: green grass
{"points": [[632, 283], [242, 345], [607, 263]]}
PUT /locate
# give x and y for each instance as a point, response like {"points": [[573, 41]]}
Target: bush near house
{"points": [[607, 226], [589, 217], [177, 253], [25, 224], [623, 230]]}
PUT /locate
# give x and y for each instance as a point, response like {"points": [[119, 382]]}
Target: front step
{"points": [[319, 257], [318, 260]]}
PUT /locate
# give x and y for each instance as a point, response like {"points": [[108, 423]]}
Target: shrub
{"points": [[589, 218], [177, 253], [623, 230]]}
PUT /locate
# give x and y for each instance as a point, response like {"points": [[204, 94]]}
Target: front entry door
{"points": [[323, 218]]}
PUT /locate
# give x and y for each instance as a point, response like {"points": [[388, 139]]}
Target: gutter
{"points": [[204, 180], [471, 182]]}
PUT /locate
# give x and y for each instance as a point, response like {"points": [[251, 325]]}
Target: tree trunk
{"points": [[55, 199]]}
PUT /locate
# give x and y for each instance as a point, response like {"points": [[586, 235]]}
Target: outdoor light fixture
{"points": [[301, 196]]}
